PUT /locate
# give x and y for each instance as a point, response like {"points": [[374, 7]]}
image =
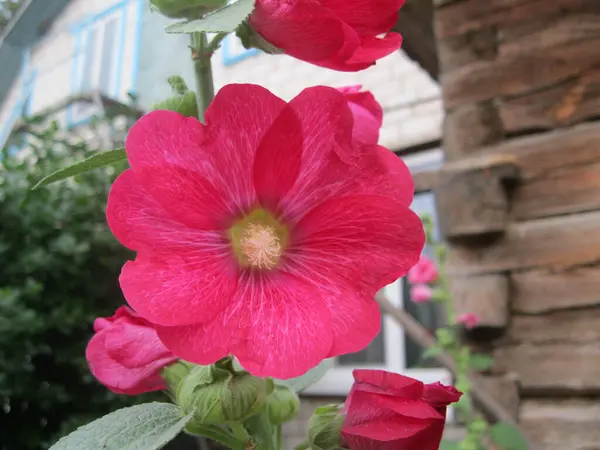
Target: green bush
{"points": [[59, 266]]}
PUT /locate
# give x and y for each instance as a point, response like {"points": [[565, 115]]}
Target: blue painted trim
{"points": [[137, 44], [230, 59], [74, 74], [76, 27], [120, 53]]}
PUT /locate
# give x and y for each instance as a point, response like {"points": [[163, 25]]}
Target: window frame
{"points": [[338, 380]]}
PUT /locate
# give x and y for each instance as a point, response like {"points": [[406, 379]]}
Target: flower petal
{"points": [[180, 289], [389, 383], [367, 16], [373, 48]]}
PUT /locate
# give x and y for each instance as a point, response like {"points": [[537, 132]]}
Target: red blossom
{"points": [[338, 34], [265, 233], [424, 272], [367, 113], [126, 354], [387, 411]]}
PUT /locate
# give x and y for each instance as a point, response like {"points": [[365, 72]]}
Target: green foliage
{"points": [[507, 437], [481, 362], [149, 426], [59, 269], [224, 20]]}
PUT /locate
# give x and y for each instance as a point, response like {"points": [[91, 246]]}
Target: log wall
{"points": [[520, 199]]}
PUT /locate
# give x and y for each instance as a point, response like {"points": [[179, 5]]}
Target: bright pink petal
{"points": [[374, 48], [389, 382], [180, 290], [364, 237], [304, 29], [438, 394], [367, 16], [425, 271], [420, 293]]}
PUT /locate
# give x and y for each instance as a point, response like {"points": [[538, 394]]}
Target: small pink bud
{"points": [[425, 271], [420, 293], [469, 320]]}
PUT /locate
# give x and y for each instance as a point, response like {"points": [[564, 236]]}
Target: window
{"points": [[392, 350], [97, 63]]}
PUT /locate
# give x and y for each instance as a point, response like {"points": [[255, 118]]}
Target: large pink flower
{"points": [[338, 34], [367, 112], [264, 233], [126, 354]]}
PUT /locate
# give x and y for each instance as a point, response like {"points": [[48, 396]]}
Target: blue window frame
{"points": [[233, 51], [98, 61]]}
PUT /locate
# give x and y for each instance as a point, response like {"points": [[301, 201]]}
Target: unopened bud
{"points": [[324, 428], [282, 405], [188, 9]]}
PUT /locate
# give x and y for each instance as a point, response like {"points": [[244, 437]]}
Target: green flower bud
{"points": [[174, 373], [217, 394], [183, 104], [282, 405], [189, 9], [251, 39], [324, 428]]}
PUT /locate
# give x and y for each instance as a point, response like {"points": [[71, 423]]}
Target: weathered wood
{"points": [[568, 103], [562, 424], [472, 200], [426, 180], [458, 51], [541, 291], [558, 242], [576, 326], [469, 127], [505, 389], [487, 296], [468, 15], [560, 368], [519, 74]]}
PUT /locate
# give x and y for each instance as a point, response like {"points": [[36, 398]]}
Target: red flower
{"points": [[367, 112], [337, 34], [264, 233], [387, 411], [126, 355]]}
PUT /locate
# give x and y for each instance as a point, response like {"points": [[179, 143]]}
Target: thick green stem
{"points": [[205, 89], [240, 432], [216, 434], [278, 440]]}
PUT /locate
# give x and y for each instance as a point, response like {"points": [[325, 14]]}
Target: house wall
{"points": [[520, 196]]}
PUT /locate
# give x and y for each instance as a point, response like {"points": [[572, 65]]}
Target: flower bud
{"points": [[175, 373], [217, 394], [251, 39], [189, 9], [183, 104], [282, 405], [324, 428]]}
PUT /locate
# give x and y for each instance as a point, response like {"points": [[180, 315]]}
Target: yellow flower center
{"points": [[258, 240]]}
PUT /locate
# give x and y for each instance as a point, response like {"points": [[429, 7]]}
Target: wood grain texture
{"points": [[487, 296], [568, 326]]}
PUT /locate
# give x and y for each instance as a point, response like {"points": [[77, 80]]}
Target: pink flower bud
{"points": [[420, 293], [425, 271], [468, 320]]}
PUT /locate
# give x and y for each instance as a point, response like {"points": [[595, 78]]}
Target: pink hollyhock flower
{"points": [[367, 112], [126, 354], [337, 34], [387, 411], [424, 272], [420, 293], [265, 233], [469, 320]]}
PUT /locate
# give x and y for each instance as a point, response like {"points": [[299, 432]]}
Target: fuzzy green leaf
{"points": [[149, 426], [508, 437], [224, 20], [480, 362], [100, 159]]}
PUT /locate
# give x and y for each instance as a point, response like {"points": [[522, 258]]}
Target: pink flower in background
{"points": [[387, 411], [367, 112], [338, 34], [420, 293], [424, 272], [126, 354], [469, 320], [265, 233]]}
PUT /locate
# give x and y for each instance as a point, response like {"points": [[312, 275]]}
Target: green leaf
{"points": [[480, 362], [432, 352], [224, 20], [449, 445], [96, 161], [302, 382], [508, 437], [149, 426]]}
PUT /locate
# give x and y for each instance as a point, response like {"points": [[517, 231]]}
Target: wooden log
{"points": [[569, 326], [505, 389], [487, 296], [519, 74], [459, 18], [469, 127], [558, 242], [553, 369], [471, 197], [562, 424], [568, 103], [541, 291], [458, 51]]}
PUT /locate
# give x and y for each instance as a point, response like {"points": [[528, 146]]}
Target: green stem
{"points": [[201, 55], [240, 432], [278, 442], [216, 434]]}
